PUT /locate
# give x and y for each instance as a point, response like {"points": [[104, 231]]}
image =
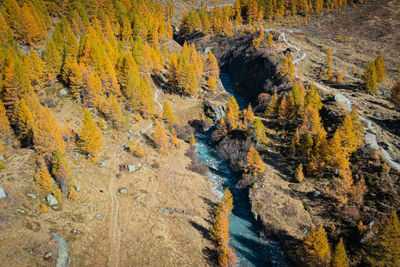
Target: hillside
{"points": [[199, 133]]}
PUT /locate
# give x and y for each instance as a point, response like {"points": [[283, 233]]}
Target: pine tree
{"points": [[311, 121], [385, 248], [344, 187], [348, 135], [232, 113], [315, 250], [340, 256], [75, 80], [337, 157], [299, 176], [167, 115], [46, 134], [255, 164], [259, 130], [370, 78], [10, 88], [52, 59], [31, 31], [42, 176], [160, 139], [380, 69], [272, 109], [288, 67], [298, 94], [90, 137]]}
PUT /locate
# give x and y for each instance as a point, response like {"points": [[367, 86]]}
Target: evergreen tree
{"points": [[340, 256], [315, 250], [90, 137], [385, 248], [255, 164]]}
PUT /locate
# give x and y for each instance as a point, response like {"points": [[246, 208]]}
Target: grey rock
{"points": [[130, 131], [91, 208], [55, 207], [63, 251], [63, 92], [3, 193], [342, 99], [371, 223], [51, 200], [33, 196], [131, 168], [122, 190], [130, 137], [20, 211], [98, 215], [103, 163], [316, 193], [77, 188], [2, 158], [48, 255], [138, 198]]}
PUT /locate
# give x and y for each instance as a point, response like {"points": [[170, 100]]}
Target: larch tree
{"points": [[370, 78], [312, 98], [272, 109], [315, 250], [259, 131], [232, 113], [75, 80], [339, 258], [212, 64], [42, 176], [299, 175], [311, 121], [10, 87], [46, 133], [160, 139], [349, 137], [211, 84], [90, 137], [339, 77], [254, 165], [52, 59], [24, 124], [380, 69], [287, 108], [384, 250], [288, 68], [167, 115], [5, 129]]}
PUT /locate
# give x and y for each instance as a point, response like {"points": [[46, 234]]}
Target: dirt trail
{"points": [[370, 136], [115, 232]]}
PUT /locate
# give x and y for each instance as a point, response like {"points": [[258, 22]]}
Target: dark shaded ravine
{"points": [[245, 232]]}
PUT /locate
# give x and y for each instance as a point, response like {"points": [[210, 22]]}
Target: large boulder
{"points": [[3, 194], [213, 110], [51, 200]]}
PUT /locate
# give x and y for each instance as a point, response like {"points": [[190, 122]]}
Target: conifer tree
{"points": [[312, 98], [42, 176], [192, 141], [311, 121], [167, 115], [385, 248], [315, 250], [31, 31], [25, 121], [211, 84], [380, 69], [350, 140], [287, 108], [298, 94], [10, 88], [299, 176], [269, 40], [232, 113], [5, 129], [357, 125], [259, 130], [212, 64], [339, 78], [46, 134], [112, 110], [61, 171], [370, 78], [344, 187], [272, 109], [52, 59], [288, 67], [340, 256], [337, 156], [90, 137], [36, 73], [75, 80], [160, 139], [255, 164]]}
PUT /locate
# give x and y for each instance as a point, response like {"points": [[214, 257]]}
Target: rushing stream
{"points": [[244, 231]]}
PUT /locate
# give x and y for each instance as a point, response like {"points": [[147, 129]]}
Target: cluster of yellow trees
{"points": [[382, 250], [220, 230]]}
